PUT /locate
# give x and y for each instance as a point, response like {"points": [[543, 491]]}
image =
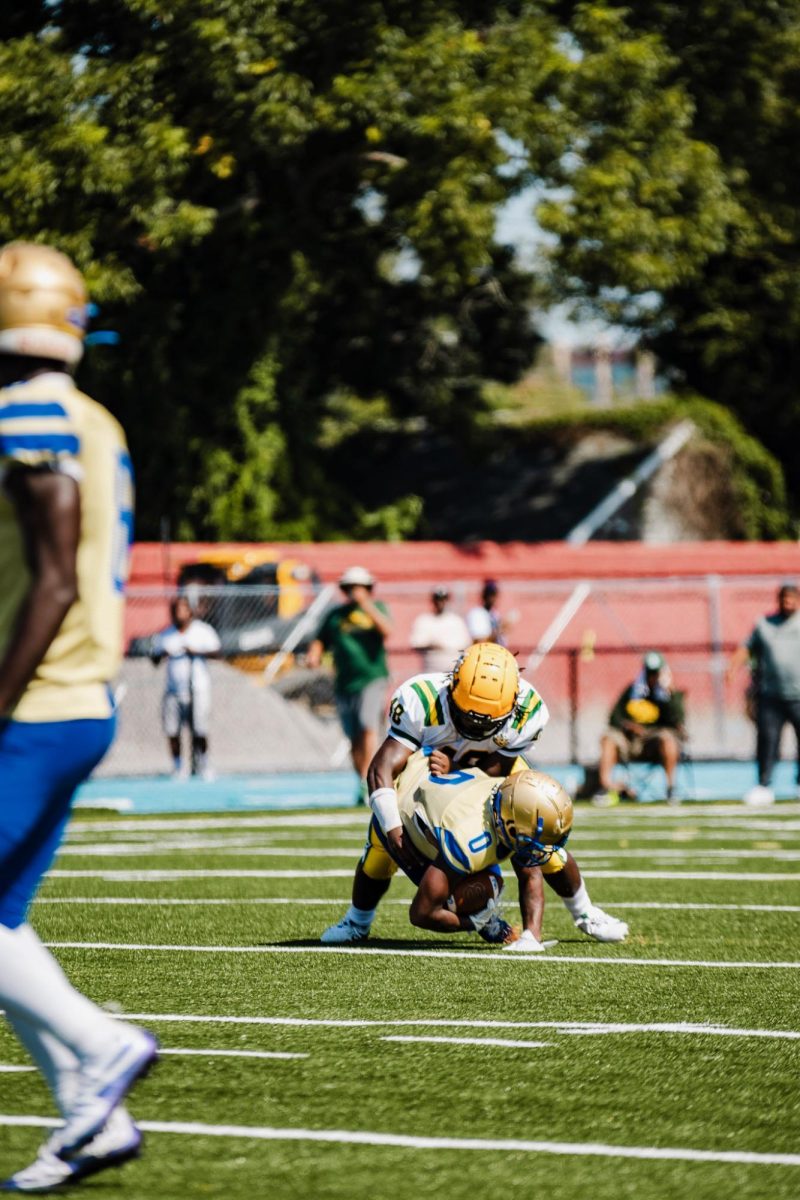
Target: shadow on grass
{"points": [[377, 943]]}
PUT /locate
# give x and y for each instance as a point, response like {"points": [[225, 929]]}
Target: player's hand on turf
{"points": [[526, 943], [402, 849], [440, 762]]}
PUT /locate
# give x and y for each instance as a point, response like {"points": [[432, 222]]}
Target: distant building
{"points": [[604, 374]]}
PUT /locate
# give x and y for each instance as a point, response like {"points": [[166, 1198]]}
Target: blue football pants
{"points": [[41, 766]]}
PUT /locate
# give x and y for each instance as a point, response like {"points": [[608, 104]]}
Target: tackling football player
{"points": [[66, 514], [482, 715]]}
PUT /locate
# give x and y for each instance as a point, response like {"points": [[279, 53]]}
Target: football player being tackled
{"points": [[462, 826], [480, 715]]}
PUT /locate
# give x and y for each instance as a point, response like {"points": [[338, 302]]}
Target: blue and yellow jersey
{"points": [[47, 422], [450, 816], [419, 717]]}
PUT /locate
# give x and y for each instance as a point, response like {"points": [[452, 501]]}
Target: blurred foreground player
{"points": [[481, 714], [66, 515], [466, 824]]}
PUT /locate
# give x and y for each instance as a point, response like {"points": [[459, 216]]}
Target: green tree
{"points": [[281, 203], [725, 321]]}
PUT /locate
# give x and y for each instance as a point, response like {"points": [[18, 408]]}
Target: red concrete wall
{"points": [[155, 565]]}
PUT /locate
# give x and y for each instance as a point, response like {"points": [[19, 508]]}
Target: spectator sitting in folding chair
{"points": [[646, 725]]}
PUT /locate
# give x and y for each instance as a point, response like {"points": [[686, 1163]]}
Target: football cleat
{"points": [[345, 932], [607, 799], [599, 925], [116, 1143], [102, 1085], [758, 796], [526, 943]]}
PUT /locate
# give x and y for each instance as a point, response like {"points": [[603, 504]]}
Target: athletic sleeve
{"points": [[406, 717], [527, 722], [36, 433]]}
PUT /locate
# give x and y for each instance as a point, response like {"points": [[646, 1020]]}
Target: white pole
{"points": [[557, 626], [628, 487], [307, 621]]}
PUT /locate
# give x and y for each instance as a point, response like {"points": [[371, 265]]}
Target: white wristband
{"points": [[383, 802]]}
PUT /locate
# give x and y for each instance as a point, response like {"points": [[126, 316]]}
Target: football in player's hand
{"points": [[473, 892]]}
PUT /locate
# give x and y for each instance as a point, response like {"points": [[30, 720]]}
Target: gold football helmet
{"points": [[43, 303], [533, 815], [483, 690]]}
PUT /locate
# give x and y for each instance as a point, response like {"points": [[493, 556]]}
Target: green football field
{"points": [[417, 1065]]}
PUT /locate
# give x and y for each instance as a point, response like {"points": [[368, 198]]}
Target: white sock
{"points": [[361, 916], [578, 904], [34, 988], [56, 1062]]}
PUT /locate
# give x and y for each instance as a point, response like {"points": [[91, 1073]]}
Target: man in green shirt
{"points": [[645, 725], [355, 632]]}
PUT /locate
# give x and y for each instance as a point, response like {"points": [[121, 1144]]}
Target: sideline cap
{"points": [[356, 577], [653, 661]]}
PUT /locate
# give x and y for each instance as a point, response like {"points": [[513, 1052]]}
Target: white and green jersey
{"points": [[419, 718]]}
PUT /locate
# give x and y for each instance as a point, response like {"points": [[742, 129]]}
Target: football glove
{"points": [[490, 924]]}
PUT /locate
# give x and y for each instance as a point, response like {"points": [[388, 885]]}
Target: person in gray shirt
{"points": [[773, 650]]}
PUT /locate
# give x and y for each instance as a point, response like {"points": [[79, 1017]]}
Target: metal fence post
{"points": [[573, 705]]}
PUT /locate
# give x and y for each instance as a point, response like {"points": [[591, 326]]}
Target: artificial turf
{"points": [[634, 1085]]}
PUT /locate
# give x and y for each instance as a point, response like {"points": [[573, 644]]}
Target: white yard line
{"points": [[113, 873], [9, 1070], [504, 1043], [228, 850], [567, 1027], [233, 1053], [297, 901], [478, 955], [361, 1137]]}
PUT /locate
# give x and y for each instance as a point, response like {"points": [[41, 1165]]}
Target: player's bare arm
{"points": [[387, 764], [531, 898], [48, 509], [429, 907]]}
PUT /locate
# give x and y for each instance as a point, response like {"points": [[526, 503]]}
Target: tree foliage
{"points": [[282, 204], [726, 319]]}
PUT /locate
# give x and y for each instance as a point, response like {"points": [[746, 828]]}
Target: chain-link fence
{"points": [[580, 643]]}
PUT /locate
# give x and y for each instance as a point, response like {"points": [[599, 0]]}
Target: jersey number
{"points": [[453, 778], [123, 520]]}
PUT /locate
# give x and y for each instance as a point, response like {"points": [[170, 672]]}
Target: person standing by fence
{"points": [[441, 635], [186, 703], [773, 649], [355, 632]]}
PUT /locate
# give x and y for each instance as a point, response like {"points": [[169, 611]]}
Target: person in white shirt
{"points": [[484, 621], [186, 644], [439, 636]]}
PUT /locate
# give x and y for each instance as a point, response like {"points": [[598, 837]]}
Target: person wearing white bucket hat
{"points": [[355, 633]]}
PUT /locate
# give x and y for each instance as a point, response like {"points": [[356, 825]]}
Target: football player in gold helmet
{"points": [[464, 827], [482, 714], [66, 512]]}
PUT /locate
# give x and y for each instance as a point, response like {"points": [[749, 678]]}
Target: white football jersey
{"points": [[419, 716]]}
